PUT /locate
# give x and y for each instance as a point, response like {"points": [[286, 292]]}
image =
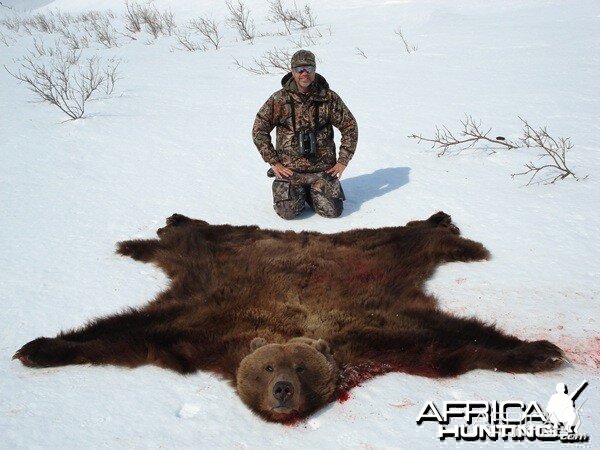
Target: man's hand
{"points": [[337, 170], [281, 171]]}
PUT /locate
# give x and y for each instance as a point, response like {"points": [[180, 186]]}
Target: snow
{"points": [[175, 137]]}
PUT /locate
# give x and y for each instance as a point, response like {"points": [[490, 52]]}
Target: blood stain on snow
{"points": [[586, 353], [582, 351], [344, 396]]}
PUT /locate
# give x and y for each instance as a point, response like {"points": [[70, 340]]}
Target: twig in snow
{"points": [[470, 135], [553, 150], [409, 48]]}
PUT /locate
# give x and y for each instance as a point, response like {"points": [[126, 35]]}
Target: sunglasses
{"points": [[307, 69]]}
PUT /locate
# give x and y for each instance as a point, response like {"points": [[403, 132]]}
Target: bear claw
{"points": [[45, 352], [537, 356]]}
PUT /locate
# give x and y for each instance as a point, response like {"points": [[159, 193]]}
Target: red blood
{"points": [[343, 396]]}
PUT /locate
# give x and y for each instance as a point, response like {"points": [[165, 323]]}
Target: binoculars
{"points": [[308, 143]]}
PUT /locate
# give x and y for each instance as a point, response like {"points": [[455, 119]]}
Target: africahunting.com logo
{"points": [[512, 419]]}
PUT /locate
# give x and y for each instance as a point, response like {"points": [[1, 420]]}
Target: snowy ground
{"points": [[176, 138]]}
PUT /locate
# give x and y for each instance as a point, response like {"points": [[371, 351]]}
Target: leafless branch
{"points": [[105, 33], [278, 59], [111, 76], [275, 60], [470, 135], [168, 20], [239, 20], [74, 41], [62, 82], [138, 17], [185, 40], [409, 48], [207, 28], [152, 20], [5, 39], [360, 52], [303, 18], [38, 48], [43, 23], [133, 17], [553, 150], [12, 23], [65, 19], [277, 33], [306, 39], [259, 67]]}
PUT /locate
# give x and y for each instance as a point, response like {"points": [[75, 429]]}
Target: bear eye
{"points": [[269, 368], [300, 369]]}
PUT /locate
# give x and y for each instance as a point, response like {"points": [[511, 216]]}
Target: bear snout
{"points": [[282, 391]]}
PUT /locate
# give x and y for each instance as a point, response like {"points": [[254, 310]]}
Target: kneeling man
{"points": [[304, 159]]}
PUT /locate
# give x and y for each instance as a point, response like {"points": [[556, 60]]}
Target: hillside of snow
{"points": [[175, 136]]}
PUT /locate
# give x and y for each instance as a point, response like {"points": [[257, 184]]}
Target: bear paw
{"points": [[46, 352], [174, 221], [443, 220], [535, 356], [177, 219]]}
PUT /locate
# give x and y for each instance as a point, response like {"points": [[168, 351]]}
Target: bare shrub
{"points": [[65, 19], [74, 41], [257, 68], [39, 49], [12, 23], [43, 23], [89, 16], [152, 21], [553, 153], [138, 17], [207, 28], [409, 48], [57, 50], [553, 150], [168, 20], [302, 18], [470, 135], [268, 33], [63, 82], [104, 32], [240, 21], [133, 18], [306, 39], [278, 59], [7, 40], [359, 52], [111, 76], [275, 60], [188, 43]]}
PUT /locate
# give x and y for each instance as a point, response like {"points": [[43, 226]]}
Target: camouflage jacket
{"points": [[276, 112]]}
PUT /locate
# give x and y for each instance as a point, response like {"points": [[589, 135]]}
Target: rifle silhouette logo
{"points": [[561, 407]]}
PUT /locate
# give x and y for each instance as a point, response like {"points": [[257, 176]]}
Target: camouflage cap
{"points": [[303, 58]]}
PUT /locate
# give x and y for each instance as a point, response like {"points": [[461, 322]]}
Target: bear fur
{"points": [[295, 320]]}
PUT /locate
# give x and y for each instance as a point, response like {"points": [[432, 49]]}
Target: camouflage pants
{"points": [[320, 190]]}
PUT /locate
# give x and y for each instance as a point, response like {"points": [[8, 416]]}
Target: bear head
{"points": [[284, 382]]}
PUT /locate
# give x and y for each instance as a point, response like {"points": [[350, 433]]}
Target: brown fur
{"points": [[355, 298]]}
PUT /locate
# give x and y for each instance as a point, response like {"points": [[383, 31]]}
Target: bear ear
{"points": [[257, 343], [322, 346]]}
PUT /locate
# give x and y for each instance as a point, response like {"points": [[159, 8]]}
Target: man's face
{"points": [[305, 77]]}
